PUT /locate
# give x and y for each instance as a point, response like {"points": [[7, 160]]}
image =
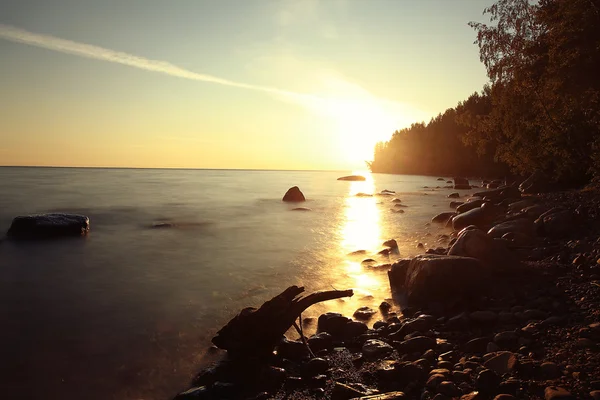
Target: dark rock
{"points": [[391, 243], [374, 349], [455, 204], [44, 226], [345, 392], [507, 339], [319, 381], [483, 317], [354, 329], [332, 323], [502, 362], [449, 389], [477, 345], [469, 205], [557, 393], [364, 313], [443, 218], [294, 382], [474, 396], [504, 397], [595, 394], [472, 242], [434, 381], [428, 278], [481, 217], [385, 307], [521, 226], [352, 178], [294, 195], [454, 195], [292, 350], [316, 366], [417, 344], [558, 224], [301, 209], [320, 341], [550, 370], [487, 381]]}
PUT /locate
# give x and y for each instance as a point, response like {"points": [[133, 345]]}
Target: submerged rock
{"points": [[352, 178], [294, 195], [48, 226]]}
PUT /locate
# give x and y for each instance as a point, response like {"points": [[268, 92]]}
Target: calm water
{"points": [[128, 312]]}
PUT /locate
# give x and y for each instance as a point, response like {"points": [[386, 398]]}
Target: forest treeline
{"points": [[539, 111]]}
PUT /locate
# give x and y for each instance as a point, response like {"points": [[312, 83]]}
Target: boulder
{"points": [[455, 204], [429, 278], [443, 218], [469, 205], [472, 242], [557, 224], [48, 226], [294, 195], [454, 195], [481, 217], [460, 181], [522, 226], [536, 183], [521, 204], [352, 178]]}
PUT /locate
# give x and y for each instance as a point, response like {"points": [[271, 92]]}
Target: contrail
{"points": [[49, 42]]}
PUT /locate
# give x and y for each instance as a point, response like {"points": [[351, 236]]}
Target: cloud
{"points": [[18, 35]]}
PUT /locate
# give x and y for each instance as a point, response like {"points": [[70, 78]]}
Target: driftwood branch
{"points": [[256, 332]]}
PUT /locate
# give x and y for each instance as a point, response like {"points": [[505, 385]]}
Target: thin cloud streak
{"points": [[49, 42]]}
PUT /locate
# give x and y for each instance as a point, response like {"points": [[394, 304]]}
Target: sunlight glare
{"points": [[361, 229]]}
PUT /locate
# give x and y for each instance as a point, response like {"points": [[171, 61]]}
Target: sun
{"points": [[361, 124]]}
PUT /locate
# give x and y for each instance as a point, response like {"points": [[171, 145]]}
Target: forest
{"points": [[539, 111]]}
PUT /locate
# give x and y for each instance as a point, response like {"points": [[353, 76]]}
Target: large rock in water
{"points": [[48, 226], [352, 178], [293, 194], [429, 278]]}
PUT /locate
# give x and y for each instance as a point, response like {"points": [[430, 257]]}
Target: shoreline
{"points": [[533, 330]]}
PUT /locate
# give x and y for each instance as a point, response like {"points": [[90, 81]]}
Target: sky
{"points": [[241, 84]]}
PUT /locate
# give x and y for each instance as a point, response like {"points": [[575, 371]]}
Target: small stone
{"points": [[557, 393], [595, 394], [434, 381], [550, 370]]}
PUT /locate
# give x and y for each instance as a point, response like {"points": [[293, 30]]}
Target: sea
{"points": [[128, 311]]}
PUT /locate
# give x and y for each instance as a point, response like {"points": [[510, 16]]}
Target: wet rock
{"points": [[434, 381], [385, 307], [557, 224], [332, 323], [319, 381], [443, 218], [492, 347], [454, 195], [364, 313], [429, 278], [52, 225], [352, 178], [481, 217], [316, 366], [504, 397], [469, 205], [557, 393], [353, 329], [391, 243], [320, 341], [374, 349], [502, 362], [595, 394], [455, 204], [294, 195], [474, 396]]}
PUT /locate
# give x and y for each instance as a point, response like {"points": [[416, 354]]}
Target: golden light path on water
{"points": [[361, 231]]}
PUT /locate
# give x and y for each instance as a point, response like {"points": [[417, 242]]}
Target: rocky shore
{"points": [[509, 309]]}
